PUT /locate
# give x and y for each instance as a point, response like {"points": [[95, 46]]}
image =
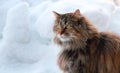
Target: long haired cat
{"points": [[83, 48]]}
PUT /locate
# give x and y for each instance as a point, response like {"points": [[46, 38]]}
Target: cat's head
{"points": [[71, 27]]}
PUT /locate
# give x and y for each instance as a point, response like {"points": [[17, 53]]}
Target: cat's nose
{"points": [[61, 36], [60, 32]]}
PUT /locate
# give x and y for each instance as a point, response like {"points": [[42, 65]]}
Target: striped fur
{"points": [[88, 51]]}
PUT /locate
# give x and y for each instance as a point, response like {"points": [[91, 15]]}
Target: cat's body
{"points": [[84, 48]]}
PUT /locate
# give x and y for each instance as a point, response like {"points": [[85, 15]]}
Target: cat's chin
{"points": [[64, 38]]}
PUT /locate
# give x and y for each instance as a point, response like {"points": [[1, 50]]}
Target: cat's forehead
{"points": [[68, 16]]}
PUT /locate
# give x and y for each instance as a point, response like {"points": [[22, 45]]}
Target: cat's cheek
{"points": [[56, 40]]}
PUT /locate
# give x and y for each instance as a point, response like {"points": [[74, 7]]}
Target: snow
{"points": [[4, 6], [26, 35], [16, 29], [114, 21]]}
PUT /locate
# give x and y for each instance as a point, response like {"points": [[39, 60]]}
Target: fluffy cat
{"points": [[83, 48]]}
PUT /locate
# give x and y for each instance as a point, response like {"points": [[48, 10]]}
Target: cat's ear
{"points": [[56, 14], [77, 12]]}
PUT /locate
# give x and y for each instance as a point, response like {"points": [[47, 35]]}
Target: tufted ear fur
{"points": [[56, 14], [77, 12]]}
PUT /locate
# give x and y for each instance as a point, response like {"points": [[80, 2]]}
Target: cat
{"points": [[84, 49]]}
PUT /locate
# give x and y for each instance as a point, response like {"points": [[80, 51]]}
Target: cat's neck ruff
{"points": [[63, 38], [74, 45]]}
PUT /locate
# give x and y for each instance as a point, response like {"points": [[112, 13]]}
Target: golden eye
{"points": [[69, 26]]}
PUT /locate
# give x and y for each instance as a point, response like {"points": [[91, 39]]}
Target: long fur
{"points": [[99, 53]]}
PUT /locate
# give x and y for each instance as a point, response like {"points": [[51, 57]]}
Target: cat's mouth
{"points": [[63, 38]]}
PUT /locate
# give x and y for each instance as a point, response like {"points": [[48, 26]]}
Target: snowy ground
{"points": [[26, 44]]}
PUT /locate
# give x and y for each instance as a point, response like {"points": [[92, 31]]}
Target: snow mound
{"points": [[5, 5], [16, 28], [37, 10], [21, 44], [17, 39], [114, 21]]}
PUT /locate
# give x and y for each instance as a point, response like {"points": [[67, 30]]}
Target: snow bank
{"points": [[16, 31], [37, 10], [21, 44], [4, 7], [16, 28], [114, 21], [17, 43], [27, 47]]}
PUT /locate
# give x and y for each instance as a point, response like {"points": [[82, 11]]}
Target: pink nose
{"points": [[60, 32]]}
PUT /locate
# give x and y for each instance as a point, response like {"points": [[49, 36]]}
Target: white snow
{"points": [[4, 7], [114, 21], [17, 22], [26, 35]]}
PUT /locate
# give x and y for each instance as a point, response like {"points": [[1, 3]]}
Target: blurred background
{"points": [[26, 44]]}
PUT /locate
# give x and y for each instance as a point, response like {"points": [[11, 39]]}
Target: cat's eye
{"points": [[68, 26]]}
